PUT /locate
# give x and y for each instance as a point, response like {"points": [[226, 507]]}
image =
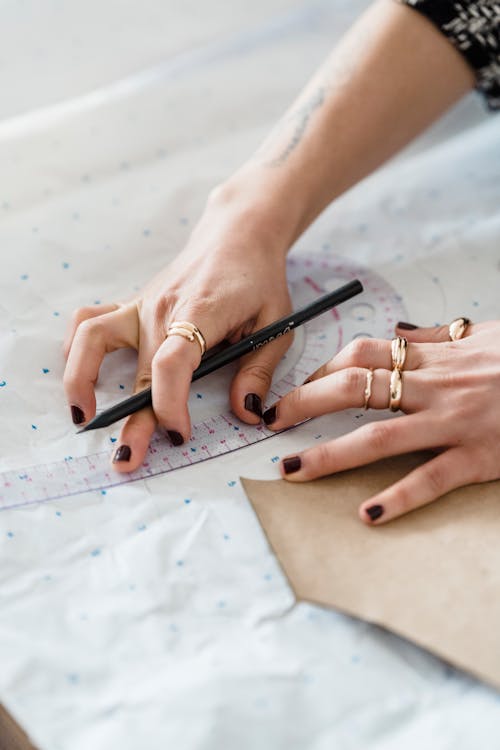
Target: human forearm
{"points": [[390, 77]]}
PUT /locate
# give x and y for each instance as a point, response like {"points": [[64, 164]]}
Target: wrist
{"points": [[263, 203]]}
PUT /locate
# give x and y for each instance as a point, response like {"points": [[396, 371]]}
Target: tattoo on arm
{"points": [[300, 118]]}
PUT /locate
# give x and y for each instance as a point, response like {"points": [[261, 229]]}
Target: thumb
{"points": [[253, 379]]}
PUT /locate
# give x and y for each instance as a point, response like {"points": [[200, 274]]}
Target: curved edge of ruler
{"points": [[217, 435]]}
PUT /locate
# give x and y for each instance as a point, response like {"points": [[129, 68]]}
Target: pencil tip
{"points": [[84, 429]]}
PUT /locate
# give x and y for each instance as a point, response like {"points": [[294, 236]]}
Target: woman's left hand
{"points": [[451, 401]]}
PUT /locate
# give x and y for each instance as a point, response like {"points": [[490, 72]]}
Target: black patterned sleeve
{"points": [[474, 29]]}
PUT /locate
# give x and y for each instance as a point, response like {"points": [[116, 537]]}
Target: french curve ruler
{"points": [[215, 430]]}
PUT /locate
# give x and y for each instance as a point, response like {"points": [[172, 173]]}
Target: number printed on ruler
{"points": [[374, 315]]}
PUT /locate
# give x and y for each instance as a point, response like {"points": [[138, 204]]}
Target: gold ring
{"points": [[395, 390], [457, 328], [399, 347], [368, 387], [188, 331]]}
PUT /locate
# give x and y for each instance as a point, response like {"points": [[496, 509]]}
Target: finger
{"points": [[362, 446], [134, 441], [370, 353], [172, 370], [338, 391], [436, 334], [423, 485], [139, 428], [81, 314], [93, 339], [251, 384]]}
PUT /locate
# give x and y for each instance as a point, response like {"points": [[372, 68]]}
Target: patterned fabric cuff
{"points": [[474, 29]]}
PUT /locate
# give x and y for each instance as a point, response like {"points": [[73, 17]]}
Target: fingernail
{"points": [[406, 326], [269, 416], [175, 437], [375, 511], [77, 415], [253, 403], [123, 453], [291, 465]]}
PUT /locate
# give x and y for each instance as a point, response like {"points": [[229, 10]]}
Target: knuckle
{"points": [[358, 349], [260, 372], [377, 436], [321, 459], [352, 381], [91, 328], [436, 478], [404, 500], [80, 314], [167, 357]]}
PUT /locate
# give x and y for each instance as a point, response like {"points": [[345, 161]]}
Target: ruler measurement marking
{"points": [[219, 434]]}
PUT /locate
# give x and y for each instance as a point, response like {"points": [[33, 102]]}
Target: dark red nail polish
{"points": [[175, 437], [292, 464], [307, 381], [375, 511], [406, 326], [77, 415], [123, 453], [269, 416], [253, 403]]}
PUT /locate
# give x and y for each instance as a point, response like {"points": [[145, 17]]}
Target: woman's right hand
{"points": [[229, 280]]}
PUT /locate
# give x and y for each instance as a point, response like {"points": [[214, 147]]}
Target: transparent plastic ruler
{"points": [[374, 313]]}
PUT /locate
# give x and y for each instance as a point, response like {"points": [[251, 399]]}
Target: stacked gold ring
{"points": [[399, 347], [368, 388], [188, 331], [457, 328]]}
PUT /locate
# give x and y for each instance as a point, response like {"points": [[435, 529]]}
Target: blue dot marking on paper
{"points": [[146, 232], [73, 678], [187, 500], [103, 492], [180, 563], [10, 534], [142, 527], [58, 513], [221, 604], [65, 265], [45, 370], [95, 552], [3, 383], [56, 314], [274, 459], [34, 427], [24, 277], [113, 440], [199, 395], [121, 387], [231, 483], [226, 537]]}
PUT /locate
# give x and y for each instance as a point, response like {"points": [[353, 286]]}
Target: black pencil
{"points": [[250, 343]]}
